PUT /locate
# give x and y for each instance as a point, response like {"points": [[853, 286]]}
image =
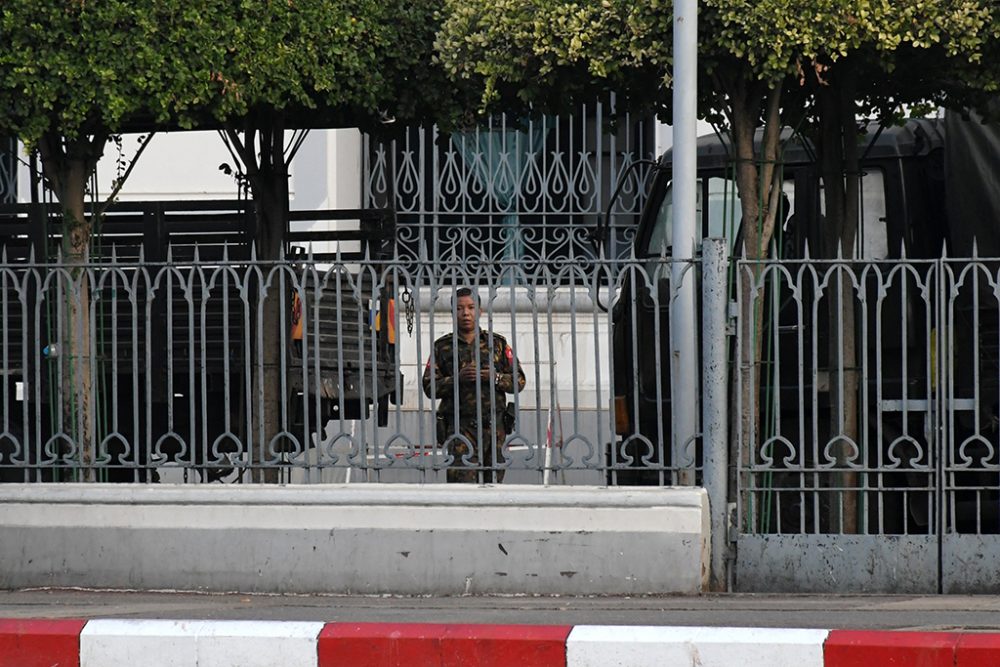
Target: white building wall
{"points": [[326, 173], [175, 165], [566, 361]]}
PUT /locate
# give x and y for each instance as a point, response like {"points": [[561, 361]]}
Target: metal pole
{"points": [[683, 320], [715, 401]]}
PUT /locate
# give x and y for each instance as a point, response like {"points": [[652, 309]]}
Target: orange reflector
{"points": [[621, 415], [390, 319], [296, 317]]}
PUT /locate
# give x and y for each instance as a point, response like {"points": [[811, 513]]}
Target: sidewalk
{"points": [[859, 612]]}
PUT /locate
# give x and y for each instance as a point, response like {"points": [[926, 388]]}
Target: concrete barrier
{"points": [[166, 643], [213, 643], [400, 539], [437, 645], [648, 646]]}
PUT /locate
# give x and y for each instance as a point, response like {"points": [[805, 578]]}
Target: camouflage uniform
{"points": [[442, 369]]}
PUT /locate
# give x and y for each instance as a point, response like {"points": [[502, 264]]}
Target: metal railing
{"points": [[126, 370], [528, 185], [876, 389]]}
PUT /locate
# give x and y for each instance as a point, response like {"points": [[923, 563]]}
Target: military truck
{"points": [[928, 189], [173, 346]]}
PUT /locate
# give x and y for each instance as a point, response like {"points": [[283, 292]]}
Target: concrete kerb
{"points": [[398, 539], [171, 643]]}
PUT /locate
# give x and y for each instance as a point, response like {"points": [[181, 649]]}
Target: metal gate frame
{"points": [[890, 472]]}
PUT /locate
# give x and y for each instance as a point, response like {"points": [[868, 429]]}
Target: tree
{"points": [[755, 59], [316, 63], [764, 64], [888, 59], [294, 66], [71, 74]]}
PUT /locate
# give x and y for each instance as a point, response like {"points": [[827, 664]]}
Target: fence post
{"points": [[715, 399]]}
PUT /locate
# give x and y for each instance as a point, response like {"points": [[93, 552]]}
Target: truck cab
{"points": [[901, 212]]}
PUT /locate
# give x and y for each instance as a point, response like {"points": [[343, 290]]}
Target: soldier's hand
{"points": [[472, 374]]}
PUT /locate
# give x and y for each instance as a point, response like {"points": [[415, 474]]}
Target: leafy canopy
{"points": [[80, 67], [87, 67], [554, 51]]}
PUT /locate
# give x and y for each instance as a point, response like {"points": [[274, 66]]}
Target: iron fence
{"points": [[869, 391], [874, 380], [128, 370], [530, 187]]}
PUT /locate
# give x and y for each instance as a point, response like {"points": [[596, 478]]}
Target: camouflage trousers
{"points": [[466, 467]]}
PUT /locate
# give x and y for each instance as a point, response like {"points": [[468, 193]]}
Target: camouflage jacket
{"points": [[443, 367]]}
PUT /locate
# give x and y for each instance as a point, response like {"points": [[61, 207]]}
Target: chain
{"points": [[407, 298]]}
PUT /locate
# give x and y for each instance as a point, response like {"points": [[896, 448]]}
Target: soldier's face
{"points": [[466, 314]]}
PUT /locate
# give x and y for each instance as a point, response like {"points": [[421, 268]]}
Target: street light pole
{"points": [[683, 315]]}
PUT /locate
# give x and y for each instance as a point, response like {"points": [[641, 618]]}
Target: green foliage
{"points": [[324, 62], [302, 54], [775, 36], [79, 67], [548, 53], [94, 66], [975, 84], [531, 50], [417, 88]]}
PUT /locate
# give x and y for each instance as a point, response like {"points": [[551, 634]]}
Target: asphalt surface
{"points": [[901, 612]]}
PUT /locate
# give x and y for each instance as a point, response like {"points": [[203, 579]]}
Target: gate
{"points": [[513, 189], [867, 458]]}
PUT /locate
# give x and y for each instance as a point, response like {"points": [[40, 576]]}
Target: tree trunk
{"points": [[757, 182], [272, 220], [267, 171], [67, 165], [838, 148]]}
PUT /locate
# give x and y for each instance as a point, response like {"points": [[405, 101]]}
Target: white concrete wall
{"points": [[566, 361], [560, 353], [175, 165], [441, 540], [326, 173]]}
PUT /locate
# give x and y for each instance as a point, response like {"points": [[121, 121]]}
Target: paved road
{"points": [[805, 611]]}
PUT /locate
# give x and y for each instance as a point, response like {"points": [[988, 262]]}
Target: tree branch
{"points": [[95, 149], [228, 143], [770, 174], [244, 148], [772, 134], [266, 136], [128, 171], [297, 142], [52, 155], [724, 84]]}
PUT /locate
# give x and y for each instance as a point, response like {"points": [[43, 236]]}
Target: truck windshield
{"points": [[872, 241], [717, 221]]}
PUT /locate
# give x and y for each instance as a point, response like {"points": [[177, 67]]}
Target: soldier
{"points": [[483, 365]]}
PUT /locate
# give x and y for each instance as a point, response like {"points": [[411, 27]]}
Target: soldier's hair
{"points": [[464, 291]]}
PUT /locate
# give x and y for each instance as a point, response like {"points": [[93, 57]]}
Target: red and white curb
{"points": [[163, 643]]}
